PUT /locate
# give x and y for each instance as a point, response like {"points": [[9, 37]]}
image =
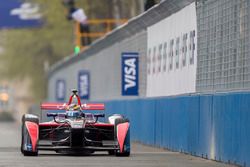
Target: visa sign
{"points": [[130, 75], [60, 90], [83, 84]]}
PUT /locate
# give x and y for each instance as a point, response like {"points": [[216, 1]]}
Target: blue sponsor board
{"points": [[15, 14], [130, 74], [60, 90], [83, 84]]}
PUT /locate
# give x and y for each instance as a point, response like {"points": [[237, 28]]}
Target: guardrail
{"points": [[98, 28], [213, 126]]}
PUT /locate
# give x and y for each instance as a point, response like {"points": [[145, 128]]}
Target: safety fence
{"points": [[213, 126], [102, 59]]}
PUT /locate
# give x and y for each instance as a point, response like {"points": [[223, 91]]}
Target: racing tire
{"points": [[127, 140], [25, 134], [111, 152]]}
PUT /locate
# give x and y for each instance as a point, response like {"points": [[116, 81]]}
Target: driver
{"points": [[74, 101], [74, 111], [74, 107], [73, 97]]}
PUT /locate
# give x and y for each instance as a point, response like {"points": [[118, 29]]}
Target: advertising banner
{"points": [[19, 14], [60, 90], [84, 84], [172, 54], [130, 75]]}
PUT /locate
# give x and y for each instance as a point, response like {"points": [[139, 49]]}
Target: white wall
{"points": [[180, 79], [105, 70]]}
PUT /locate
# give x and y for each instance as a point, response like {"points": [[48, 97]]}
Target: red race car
{"points": [[75, 131]]}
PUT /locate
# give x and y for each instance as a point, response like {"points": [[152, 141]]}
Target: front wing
{"points": [[94, 137]]}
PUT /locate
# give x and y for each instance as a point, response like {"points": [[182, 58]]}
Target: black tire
{"points": [[111, 152], [125, 154], [117, 122], [24, 132]]}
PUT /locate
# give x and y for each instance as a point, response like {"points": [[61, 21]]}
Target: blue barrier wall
{"points": [[211, 126]]}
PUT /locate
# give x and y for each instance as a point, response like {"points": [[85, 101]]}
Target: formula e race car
{"points": [[74, 131]]}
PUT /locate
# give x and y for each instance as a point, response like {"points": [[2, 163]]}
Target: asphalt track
{"points": [[141, 156]]}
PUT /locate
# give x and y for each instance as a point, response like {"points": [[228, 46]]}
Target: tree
{"points": [[28, 51]]}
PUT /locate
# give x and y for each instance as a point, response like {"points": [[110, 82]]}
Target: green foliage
{"points": [[26, 50]]}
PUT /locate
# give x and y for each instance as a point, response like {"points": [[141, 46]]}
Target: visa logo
{"points": [[130, 73], [60, 89], [83, 85]]}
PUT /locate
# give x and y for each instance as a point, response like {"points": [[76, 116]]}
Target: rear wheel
{"points": [[26, 144], [126, 145]]}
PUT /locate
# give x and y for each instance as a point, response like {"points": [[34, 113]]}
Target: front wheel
{"points": [[126, 143], [30, 124]]}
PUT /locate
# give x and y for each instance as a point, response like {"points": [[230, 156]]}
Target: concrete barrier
{"points": [[214, 126]]}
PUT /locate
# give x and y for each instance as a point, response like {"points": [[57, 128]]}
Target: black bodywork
{"points": [[61, 137]]}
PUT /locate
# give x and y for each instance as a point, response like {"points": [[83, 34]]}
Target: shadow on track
{"points": [[75, 155]]}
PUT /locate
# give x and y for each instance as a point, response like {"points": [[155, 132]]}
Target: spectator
{"points": [[80, 16]]}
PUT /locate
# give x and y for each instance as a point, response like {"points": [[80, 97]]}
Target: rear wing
{"points": [[64, 106]]}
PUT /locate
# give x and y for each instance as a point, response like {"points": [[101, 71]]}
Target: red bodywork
{"points": [[45, 130], [122, 130], [64, 106], [33, 132]]}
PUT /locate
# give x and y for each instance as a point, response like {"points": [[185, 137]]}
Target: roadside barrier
{"points": [[213, 126]]}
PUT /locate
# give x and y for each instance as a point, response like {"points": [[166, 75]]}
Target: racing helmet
{"points": [[73, 111], [74, 107]]}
